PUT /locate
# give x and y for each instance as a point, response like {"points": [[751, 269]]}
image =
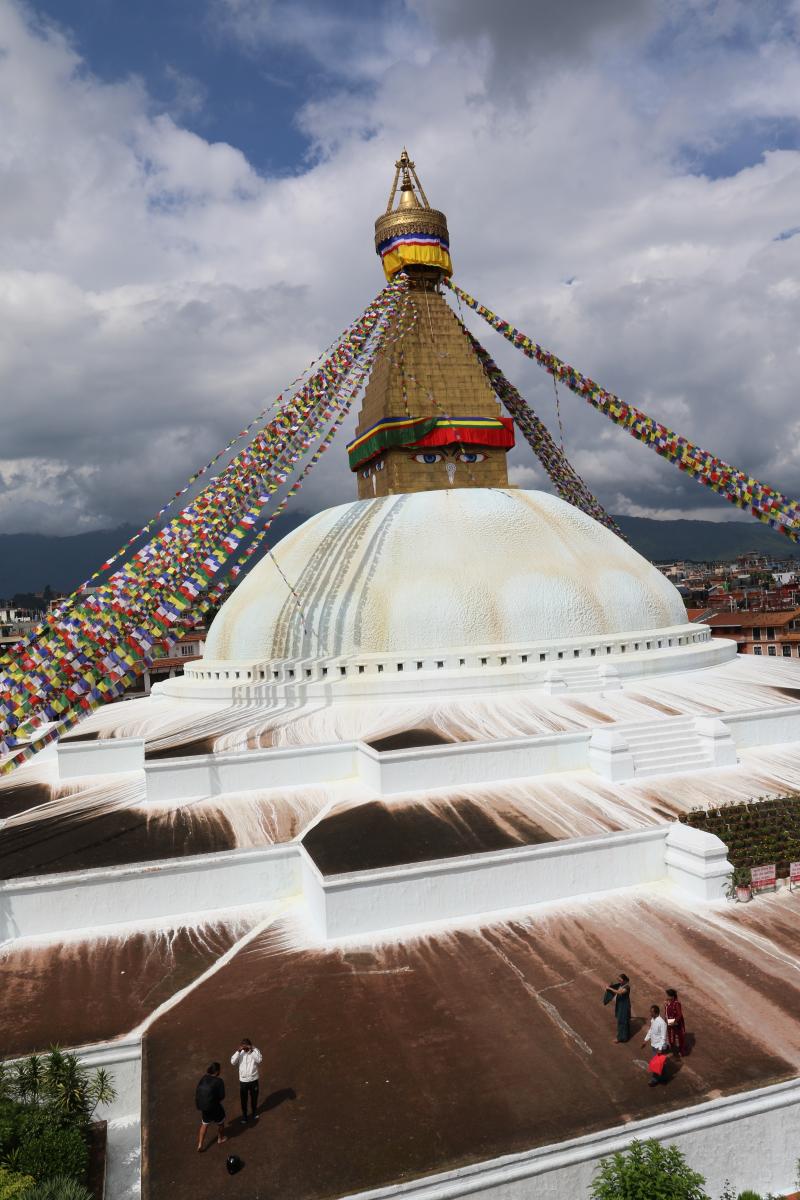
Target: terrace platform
{"points": [[468, 1043]]}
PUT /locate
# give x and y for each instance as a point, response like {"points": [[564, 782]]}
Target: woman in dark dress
{"points": [[676, 1025], [622, 1006]]}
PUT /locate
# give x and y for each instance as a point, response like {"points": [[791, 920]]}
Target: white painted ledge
{"points": [[455, 669], [103, 756], [749, 1138], [203, 885], [604, 750], [697, 862], [363, 902]]}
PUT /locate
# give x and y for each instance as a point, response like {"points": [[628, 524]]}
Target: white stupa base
{"points": [[588, 664]]}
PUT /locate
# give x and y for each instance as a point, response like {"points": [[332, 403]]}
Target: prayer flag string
{"points": [[762, 502], [566, 479], [90, 649]]}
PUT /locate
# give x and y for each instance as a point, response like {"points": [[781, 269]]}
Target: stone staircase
{"points": [[582, 679], [667, 748], [671, 746]]}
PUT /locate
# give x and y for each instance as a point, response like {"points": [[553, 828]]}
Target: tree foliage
{"points": [[647, 1171], [46, 1104], [14, 1186], [49, 1146]]}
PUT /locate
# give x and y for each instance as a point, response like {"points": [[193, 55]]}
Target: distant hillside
{"points": [[699, 541], [29, 561]]}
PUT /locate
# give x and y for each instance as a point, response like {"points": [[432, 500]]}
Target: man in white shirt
{"points": [[658, 1039], [657, 1033], [247, 1058]]}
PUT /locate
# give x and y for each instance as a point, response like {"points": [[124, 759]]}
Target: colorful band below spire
{"points": [[404, 249], [429, 431]]}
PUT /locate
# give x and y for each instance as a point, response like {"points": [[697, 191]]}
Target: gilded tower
{"points": [[429, 419]]}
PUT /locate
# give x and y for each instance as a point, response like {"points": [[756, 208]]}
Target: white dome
{"points": [[434, 570]]}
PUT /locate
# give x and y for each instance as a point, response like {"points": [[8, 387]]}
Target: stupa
{"points": [[439, 556], [416, 805]]}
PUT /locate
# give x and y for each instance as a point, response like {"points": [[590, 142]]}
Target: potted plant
{"points": [[739, 887]]}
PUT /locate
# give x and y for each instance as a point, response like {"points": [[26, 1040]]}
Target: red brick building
{"points": [[776, 634]]}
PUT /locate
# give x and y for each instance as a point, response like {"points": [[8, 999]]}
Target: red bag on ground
{"points": [[657, 1063]]}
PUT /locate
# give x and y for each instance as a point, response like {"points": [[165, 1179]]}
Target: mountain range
{"points": [[30, 561]]}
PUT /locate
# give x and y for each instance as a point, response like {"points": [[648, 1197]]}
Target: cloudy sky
{"points": [[187, 193]]}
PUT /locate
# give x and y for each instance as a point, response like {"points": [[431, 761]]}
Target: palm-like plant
{"points": [[28, 1079], [72, 1089], [66, 1082], [58, 1187], [101, 1090]]}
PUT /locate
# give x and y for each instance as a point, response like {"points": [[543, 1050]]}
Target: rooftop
{"points": [[469, 1042]]}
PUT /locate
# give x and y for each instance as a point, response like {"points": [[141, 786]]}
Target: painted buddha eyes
{"points": [[434, 456]]}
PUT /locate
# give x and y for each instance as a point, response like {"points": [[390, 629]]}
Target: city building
{"points": [[16, 623], [762, 633]]}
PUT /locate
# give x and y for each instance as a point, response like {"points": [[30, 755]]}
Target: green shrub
{"points": [[749, 1195], [49, 1145], [66, 1084], [10, 1113], [46, 1104], [60, 1187], [647, 1169], [13, 1185]]}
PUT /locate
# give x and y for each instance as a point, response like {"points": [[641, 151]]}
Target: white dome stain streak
{"points": [[432, 570], [321, 588]]}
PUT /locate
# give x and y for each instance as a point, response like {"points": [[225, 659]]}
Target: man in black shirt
{"points": [[208, 1097]]}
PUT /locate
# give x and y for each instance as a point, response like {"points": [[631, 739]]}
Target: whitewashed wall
{"points": [[749, 1139], [211, 774], [764, 727], [363, 901], [196, 885], [104, 756], [368, 901]]}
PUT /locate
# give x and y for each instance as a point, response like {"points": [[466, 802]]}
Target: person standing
{"points": [[657, 1033], [247, 1058], [208, 1097], [657, 1037], [622, 1006], [676, 1025]]}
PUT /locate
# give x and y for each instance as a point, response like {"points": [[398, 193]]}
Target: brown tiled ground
{"points": [[106, 822], [97, 822], [79, 991], [416, 1056], [419, 826], [104, 825], [385, 834]]}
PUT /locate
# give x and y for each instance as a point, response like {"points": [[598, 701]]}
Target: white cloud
{"points": [[156, 291]]}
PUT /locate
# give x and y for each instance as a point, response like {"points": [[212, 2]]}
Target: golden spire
{"points": [[429, 418], [413, 233], [408, 197]]}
